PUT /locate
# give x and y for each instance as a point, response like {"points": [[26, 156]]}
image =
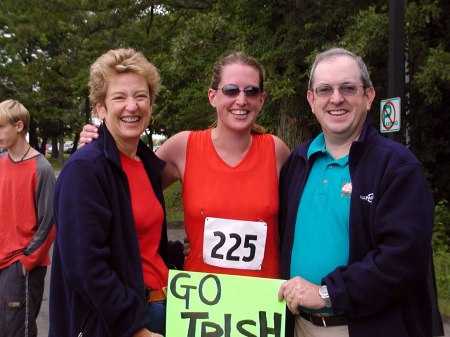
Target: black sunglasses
{"points": [[232, 90]]}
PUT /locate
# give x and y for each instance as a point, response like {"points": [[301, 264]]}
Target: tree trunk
{"points": [[292, 128]]}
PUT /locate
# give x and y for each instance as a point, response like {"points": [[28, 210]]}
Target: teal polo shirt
{"points": [[321, 239]]}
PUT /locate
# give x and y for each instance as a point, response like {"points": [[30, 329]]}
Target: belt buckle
{"points": [[320, 316], [156, 295]]}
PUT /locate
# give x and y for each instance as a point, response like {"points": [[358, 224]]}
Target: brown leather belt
{"points": [[156, 295], [322, 320]]}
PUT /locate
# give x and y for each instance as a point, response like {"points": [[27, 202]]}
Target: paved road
{"points": [[176, 233]]}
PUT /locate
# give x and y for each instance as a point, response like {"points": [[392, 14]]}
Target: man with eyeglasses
{"points": [[356, 219]]}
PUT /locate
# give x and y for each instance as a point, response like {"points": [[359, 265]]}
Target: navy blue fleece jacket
{"points": [[384, 289], [97, 286]]}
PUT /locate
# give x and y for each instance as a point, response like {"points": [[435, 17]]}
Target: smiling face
{"points": [[341, 117], [238, 112], [127, 108]]}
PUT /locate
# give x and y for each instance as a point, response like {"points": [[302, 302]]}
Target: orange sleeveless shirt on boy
{"points": [[247, 191]]}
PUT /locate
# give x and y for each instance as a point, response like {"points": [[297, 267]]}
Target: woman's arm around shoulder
{"points": [[173, 152], [282, 152]]}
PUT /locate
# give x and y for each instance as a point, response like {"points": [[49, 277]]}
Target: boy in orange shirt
{"points": [[26, 228]]}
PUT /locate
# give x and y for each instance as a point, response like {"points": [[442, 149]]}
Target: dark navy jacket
{"points": [[384, 289], [97, 285]]}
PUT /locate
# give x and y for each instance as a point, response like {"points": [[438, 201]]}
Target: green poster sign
{"points": [[213, 305]]}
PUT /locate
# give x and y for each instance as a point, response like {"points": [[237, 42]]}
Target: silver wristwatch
{"points": [[323, 293]]}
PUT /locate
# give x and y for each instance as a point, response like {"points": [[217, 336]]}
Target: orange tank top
{"points": [[247, 191]]}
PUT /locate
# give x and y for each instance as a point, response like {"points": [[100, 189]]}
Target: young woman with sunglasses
{"points": [[229, 175]]}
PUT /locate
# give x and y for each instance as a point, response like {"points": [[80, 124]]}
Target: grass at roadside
{"points": [[174, 206], [55, 163], [442, 270]]}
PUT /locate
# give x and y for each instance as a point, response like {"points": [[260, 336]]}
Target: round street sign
{"points": [[390, 115]]}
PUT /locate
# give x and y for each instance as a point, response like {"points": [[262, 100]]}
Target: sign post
{"points": [[390, 113]]}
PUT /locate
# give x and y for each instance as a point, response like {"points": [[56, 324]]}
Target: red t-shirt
{"points": [[26, 215], [148, 218]]}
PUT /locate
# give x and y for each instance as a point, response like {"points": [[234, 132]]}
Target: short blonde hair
{"points": [[12, 111], [119, 61]]}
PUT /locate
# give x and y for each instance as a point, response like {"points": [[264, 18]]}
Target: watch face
{"points": [[323, 291]]}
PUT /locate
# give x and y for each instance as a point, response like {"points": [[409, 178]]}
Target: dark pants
{"points": [[20, 300], [156, 317]]}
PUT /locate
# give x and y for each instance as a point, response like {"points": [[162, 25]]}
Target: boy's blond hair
{"points": [[12, 111]]}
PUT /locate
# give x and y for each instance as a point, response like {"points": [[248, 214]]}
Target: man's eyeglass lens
{"points": [[233, 90], [344, 90]]}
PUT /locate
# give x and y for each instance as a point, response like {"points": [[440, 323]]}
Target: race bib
{"points": [[235, 244]]}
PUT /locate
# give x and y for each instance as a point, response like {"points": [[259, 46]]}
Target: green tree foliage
{"points": [[429, 118], [186, 72], [46, 47]]}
